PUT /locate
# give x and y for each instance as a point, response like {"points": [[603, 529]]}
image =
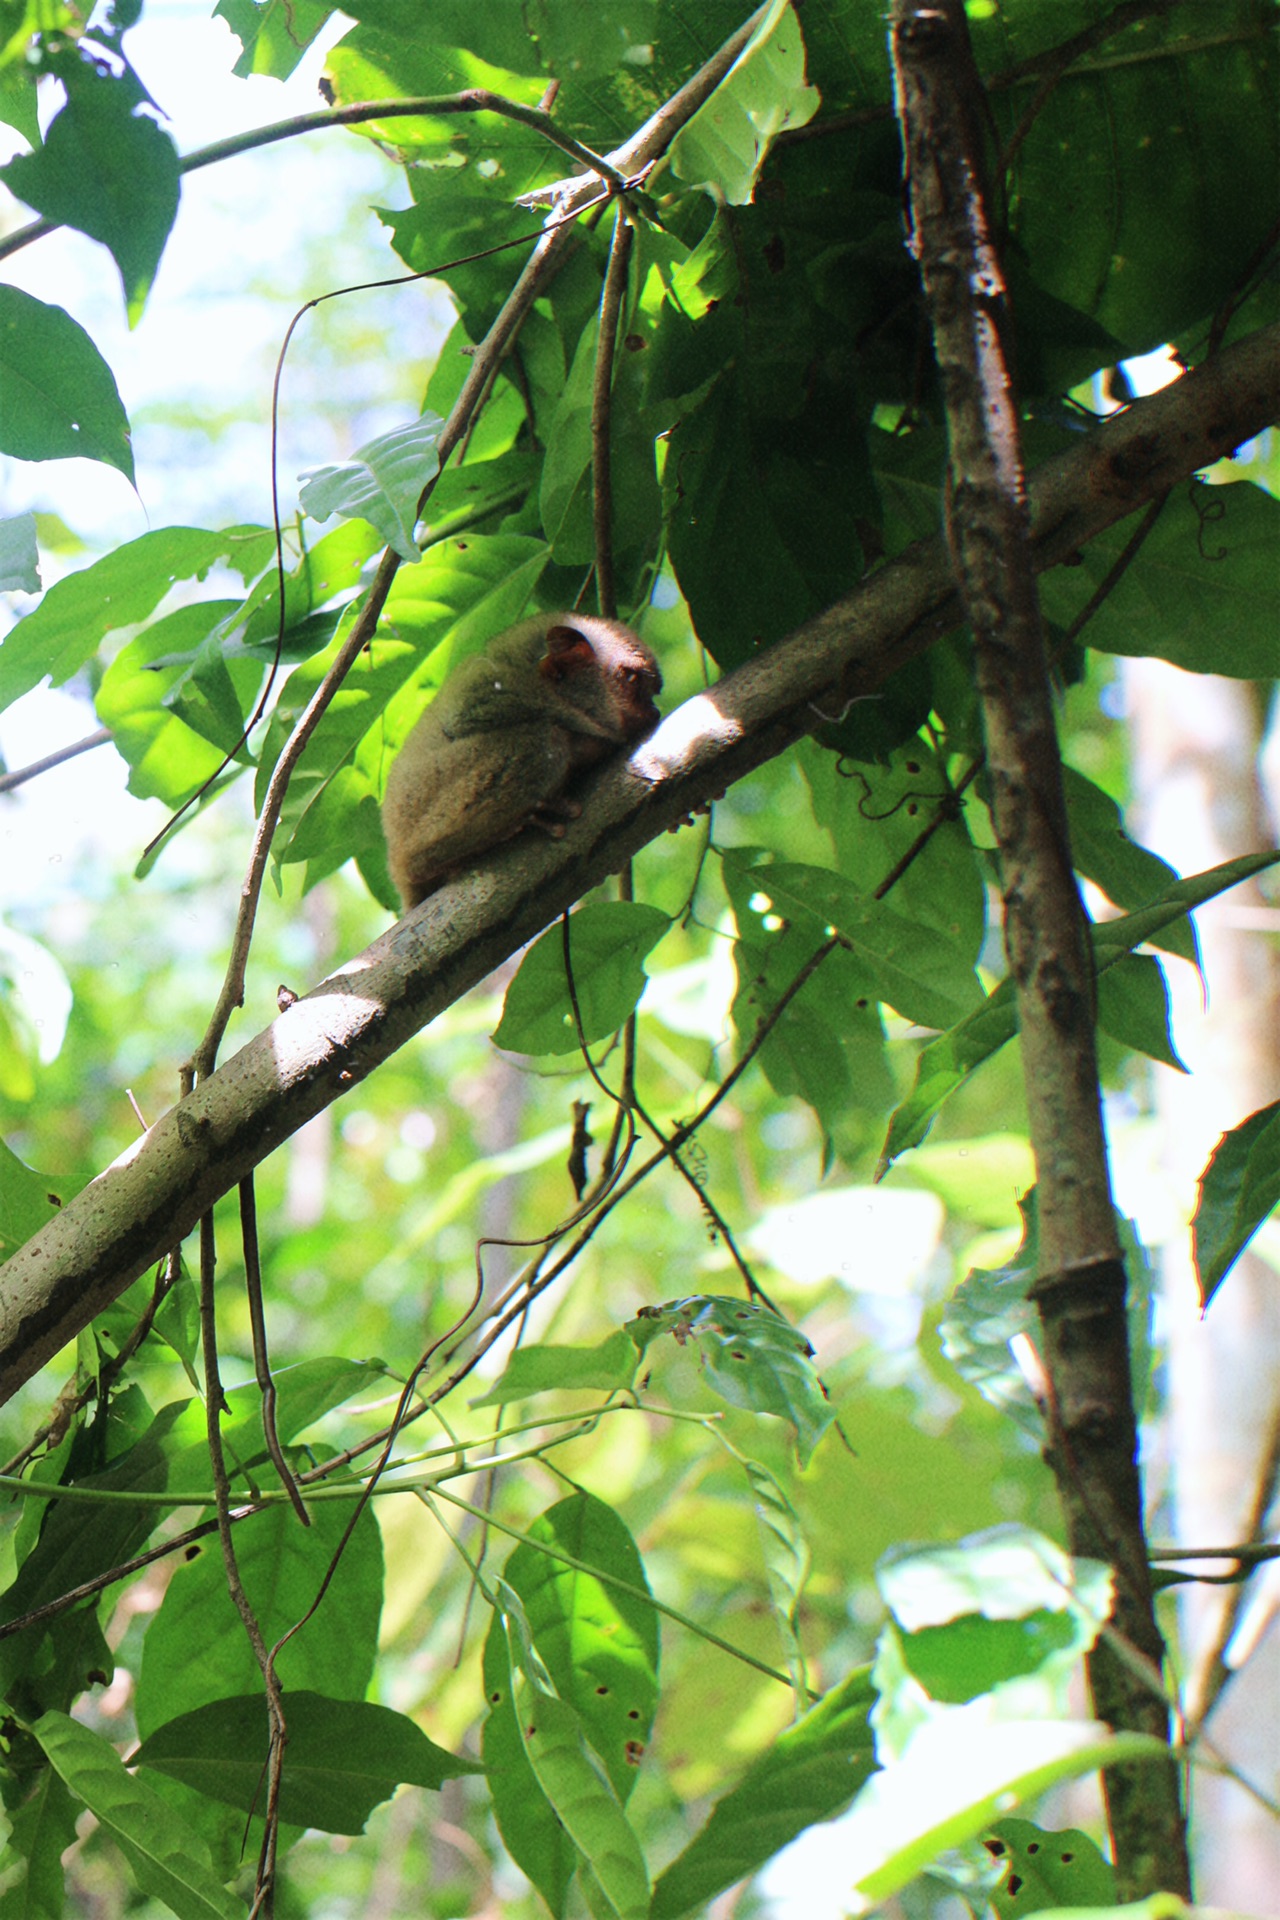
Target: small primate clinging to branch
{"points": [[503, 738]]}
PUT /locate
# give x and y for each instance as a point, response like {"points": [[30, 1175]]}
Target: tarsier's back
{"points": [[504, 737]]}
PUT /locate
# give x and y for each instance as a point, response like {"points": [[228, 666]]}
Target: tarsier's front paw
{"points": [[551, 816]]}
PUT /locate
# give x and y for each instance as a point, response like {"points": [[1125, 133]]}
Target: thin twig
{"points": [[1210, 1673], [430, 106], [8, 781], [615, 287], [261, 1357], [213, 1404]]}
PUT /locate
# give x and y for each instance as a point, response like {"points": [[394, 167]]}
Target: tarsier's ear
{"points": [[568, 652]]}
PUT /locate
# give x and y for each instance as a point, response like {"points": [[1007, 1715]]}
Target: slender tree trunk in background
{"points": [[1200, 800]]}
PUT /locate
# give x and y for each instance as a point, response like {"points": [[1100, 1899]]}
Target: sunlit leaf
{"points": [[124, 587], [108, 169], [58, 396], [608, 942], [1047, 1869], [764, 92], [381, 483], [545, 1369]]}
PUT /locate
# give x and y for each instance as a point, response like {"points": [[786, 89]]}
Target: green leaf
{"points": [[920, 978], [28, 1201], [598, 1643], [107, 169], [608, 942], [273, 33], [973, 1674], [1007, 1573], [195, 1650], [381, 483], [19, 554], [585, 1802], [809, 1773], [1239, 1187], [47, 1665], [342, 1759], [1128, 874], [875, 814], [1201, 591], [959, 1776], [725, 144], [605, 1369], [946, 1063], [58, 397], [43, 1827], [751, 1357], [531, 1830], [119, 590], [168, 1860], [1133, 1007], [1045, 1868], [172, 745], [827, 1046]]}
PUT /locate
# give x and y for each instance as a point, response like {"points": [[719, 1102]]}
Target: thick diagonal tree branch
{"points": [[328, 1041]]}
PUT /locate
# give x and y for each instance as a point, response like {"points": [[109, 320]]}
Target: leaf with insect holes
{"points": [[751, 1357]]}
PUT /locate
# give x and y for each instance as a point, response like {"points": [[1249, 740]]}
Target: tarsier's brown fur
{"points": [[501, 741]]}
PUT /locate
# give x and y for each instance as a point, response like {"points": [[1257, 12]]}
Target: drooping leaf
{"points": [[381, 483], [167, 1858], [725, 144], [1239, 1187], [58, 396], [599, 1643], [124, 587], [582, 1797], [107, 169], [546, 1369], [751, 1357], [1128, 874], [531, 1829], [809, 1773], [946, 1063], [342, 1759], [19, 554], [1133, 1007], [608, 942]]}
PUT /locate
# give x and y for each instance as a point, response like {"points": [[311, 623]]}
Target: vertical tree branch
{"points": [[1080, 1289]]}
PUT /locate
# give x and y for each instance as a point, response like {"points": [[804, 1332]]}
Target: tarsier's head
{"points": [[604, 670]]}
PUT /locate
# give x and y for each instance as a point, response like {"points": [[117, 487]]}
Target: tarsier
{"points": [[501, 741]]}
